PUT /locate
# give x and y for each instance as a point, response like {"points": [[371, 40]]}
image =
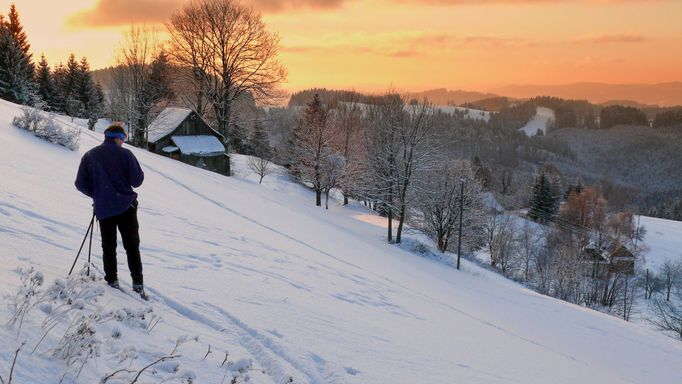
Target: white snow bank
{"points": [[538, 122]]}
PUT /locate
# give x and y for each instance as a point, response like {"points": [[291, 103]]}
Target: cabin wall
{"points": [[218, 163], [194, 126]]}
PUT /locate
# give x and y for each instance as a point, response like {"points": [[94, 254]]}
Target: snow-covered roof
{"points": [[169, 149], [169, 119], [198, 145]]}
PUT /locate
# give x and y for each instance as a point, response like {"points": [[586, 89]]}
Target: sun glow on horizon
{"points": [[411, 44]]}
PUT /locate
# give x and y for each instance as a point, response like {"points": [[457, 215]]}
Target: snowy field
{"points": [[538, 122], [663, 239], [294, 293], [474, 114]]}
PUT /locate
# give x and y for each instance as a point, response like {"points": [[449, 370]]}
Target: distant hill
{"points": [[444, 96], [662, 94]]}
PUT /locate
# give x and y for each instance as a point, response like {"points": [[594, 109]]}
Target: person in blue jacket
{"points": [[108, 173]]}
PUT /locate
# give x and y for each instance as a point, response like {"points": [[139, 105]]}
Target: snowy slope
{"points": [[474, 114], [538, 122], [304, 293], [663, 239]]}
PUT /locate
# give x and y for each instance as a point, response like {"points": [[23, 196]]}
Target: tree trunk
{"points": [[318, 197], [345, 199], [399, 232], [390, 225], [326, 199]]}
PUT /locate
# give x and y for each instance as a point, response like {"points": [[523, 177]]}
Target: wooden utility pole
{"points": [[461, 210]]}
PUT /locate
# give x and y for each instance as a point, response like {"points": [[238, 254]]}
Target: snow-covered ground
{"points": [[474, 114], [303, 293], [538, 122], [664, 241]]}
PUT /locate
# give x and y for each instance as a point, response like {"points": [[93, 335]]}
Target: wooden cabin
{"points": [[601, 263], [621, 259], [181, 134]]}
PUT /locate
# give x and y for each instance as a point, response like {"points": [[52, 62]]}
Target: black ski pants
{"points": [[127, 224]]}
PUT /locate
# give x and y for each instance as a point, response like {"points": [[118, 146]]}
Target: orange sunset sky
{"points": [[409, 44]]}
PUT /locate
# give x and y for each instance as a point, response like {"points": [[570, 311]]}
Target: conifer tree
{"points": [[16, 63], [68, 84], [59, 80], [44, 82], [259, 143], [543, 206]]}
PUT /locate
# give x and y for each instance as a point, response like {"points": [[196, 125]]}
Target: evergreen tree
{"points": [[69, 87], [17, 31], [87, 93], [160, 79], [45, 84], [16, 63], [59, 75], [238, 139], [259, 143], [542, 203]]}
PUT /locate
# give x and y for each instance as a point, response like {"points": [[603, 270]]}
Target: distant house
{"points": [[600, 263], [182, 134], [595, 263], [621, 259]]}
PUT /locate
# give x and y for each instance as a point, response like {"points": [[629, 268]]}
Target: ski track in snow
{"points": [[222, 206], [273, 357]]}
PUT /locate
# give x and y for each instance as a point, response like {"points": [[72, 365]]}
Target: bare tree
{"points": [[230, 53], [671, 275], [349, 119], [142, 84], [260, 166], [530, 241], [333, 170], [381, 157], [439, 204], [416, 151], [667, 315], [504, 245], [313, 136], [397, 147]]}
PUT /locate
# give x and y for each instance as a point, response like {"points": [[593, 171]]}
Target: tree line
{"points": [[68, 89]]}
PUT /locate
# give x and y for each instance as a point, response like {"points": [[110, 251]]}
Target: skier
{"points": [[108, 173]]}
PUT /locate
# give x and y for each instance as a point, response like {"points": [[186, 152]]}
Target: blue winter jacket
{"points": [[108, 174]]}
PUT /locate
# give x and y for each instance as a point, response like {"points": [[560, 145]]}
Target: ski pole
{"points": [[82, 244]]}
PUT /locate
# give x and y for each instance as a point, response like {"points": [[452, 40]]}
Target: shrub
{"points": [[43, 125]]}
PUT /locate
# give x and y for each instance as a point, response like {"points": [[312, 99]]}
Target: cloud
{"points": [[610, 38], [283, 5], [405, 44], [107, 13], [590, 61], [525, 2], [477, 41]]}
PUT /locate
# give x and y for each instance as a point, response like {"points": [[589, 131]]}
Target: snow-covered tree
{"points": [[16, 62], [349, 119], [333, 170], [542, 203], [45, 83], [398, 146], [440, 203], [312, 140], [671, 275], [259, 144]]}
